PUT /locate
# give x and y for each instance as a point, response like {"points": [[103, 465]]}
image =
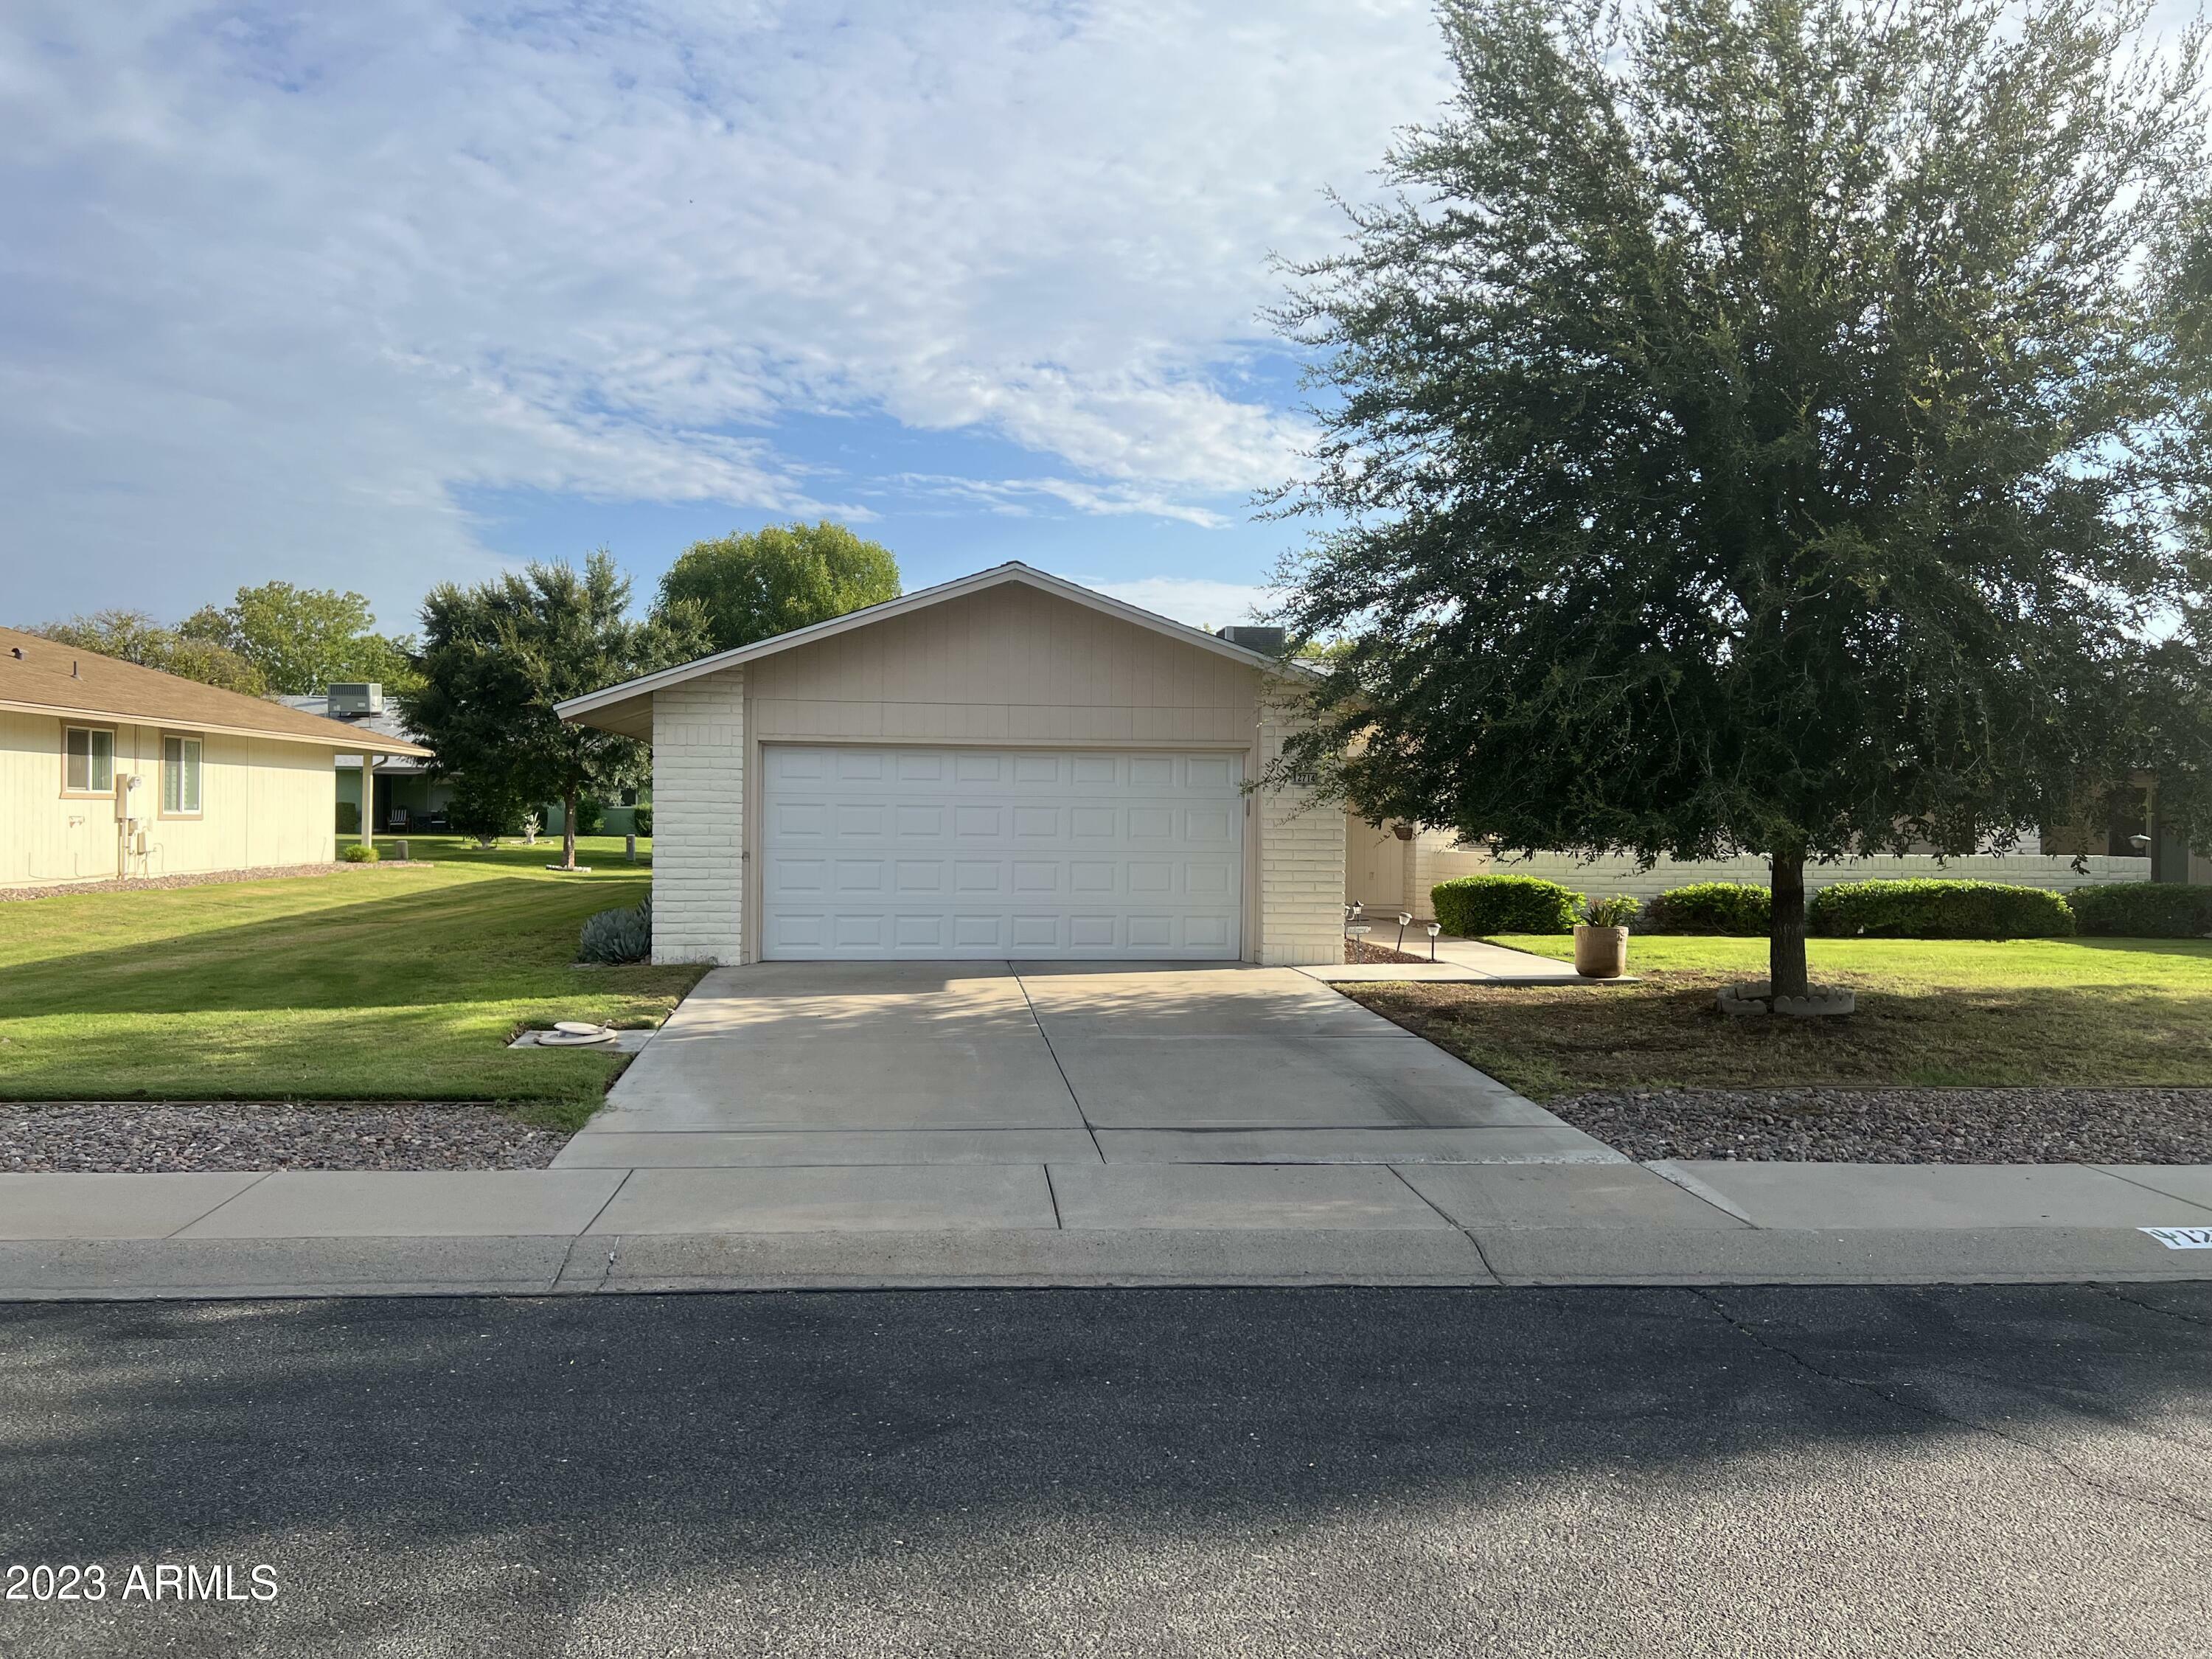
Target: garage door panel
{"points": [[895, 851]]}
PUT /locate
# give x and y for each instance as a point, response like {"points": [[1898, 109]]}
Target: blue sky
{"points": [[375, 296]]}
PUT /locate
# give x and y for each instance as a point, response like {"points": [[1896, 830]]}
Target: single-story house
{"points": [[406, 796], [1006, 765], [111, 771]]}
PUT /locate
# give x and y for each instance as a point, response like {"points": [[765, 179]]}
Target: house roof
{"points": [[616, 706], [39, 675], [387, 724]]}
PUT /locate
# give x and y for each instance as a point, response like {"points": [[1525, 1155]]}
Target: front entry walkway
{"points": [[826, 1064]]}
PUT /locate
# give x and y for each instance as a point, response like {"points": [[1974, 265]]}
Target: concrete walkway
{"points": [[1458, 962], [1130, 1222]]}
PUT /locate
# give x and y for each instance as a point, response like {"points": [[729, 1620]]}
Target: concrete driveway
{"points": [[1059, 1063]]}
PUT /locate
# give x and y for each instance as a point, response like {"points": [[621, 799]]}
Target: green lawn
{"points": [[372, 984], [1931, 1012]]}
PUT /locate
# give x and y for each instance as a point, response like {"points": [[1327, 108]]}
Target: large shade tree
{"points": [[134, 636], [301, 638], [750, 586], [1755, 427], [496, 658]]}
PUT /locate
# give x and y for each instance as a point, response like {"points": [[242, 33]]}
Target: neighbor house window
{"points": [[89, 768], [180, 776]]}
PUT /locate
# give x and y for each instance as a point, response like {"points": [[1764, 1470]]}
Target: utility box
{"points": [[355, 697]]}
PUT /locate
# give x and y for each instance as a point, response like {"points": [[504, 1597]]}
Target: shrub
{"points": [[484, 812], [1619, 911], [590, 816], [1937, 909], [354, 853], [617, 935], [1474, 907], [349, 817], [2142, 909], [641, 819], [1739, 908]]}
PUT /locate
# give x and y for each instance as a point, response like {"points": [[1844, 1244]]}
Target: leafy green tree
{"points": [[1753, 430], [301, 638], [134, 636], [754, 585], [496, 658]]}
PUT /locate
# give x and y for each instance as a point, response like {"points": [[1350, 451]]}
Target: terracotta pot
{"points": [[1600, 952]]}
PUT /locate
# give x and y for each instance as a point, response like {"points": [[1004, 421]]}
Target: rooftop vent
{"points": [[1268, 642], [359, 697]]}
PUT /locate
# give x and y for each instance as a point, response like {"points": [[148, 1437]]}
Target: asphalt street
{"points": [[2000, 1470]]}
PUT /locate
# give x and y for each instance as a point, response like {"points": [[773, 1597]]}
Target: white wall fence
{"points": [[1605, 877]]}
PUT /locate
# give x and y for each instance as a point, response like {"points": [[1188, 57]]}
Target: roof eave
{"points": [[337, 740]]}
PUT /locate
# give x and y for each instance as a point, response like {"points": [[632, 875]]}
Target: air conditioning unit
{"points": [[1268, 642], [358, 698]]}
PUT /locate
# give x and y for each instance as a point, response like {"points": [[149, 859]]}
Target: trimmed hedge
{"points": [[354, 853], [1739, 909], [1475, 907], [1937, 909], [2142, 909]]}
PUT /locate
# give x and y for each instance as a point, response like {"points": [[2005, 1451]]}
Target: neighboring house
{"points": [[108, 770], [1007, 765], [406, 796]]}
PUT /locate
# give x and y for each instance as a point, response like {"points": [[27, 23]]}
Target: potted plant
{"points": [[1601, 937]]}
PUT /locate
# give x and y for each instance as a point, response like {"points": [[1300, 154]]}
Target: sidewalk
{"points": [[1458, 962], [1118, 1220]]}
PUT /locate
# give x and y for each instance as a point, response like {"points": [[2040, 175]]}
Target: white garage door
{"points": [[876, 852]]}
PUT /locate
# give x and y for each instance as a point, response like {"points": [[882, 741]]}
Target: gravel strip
{"points": [[162, 1137], [206, 878], [1358, 950], [1902, 1126]]}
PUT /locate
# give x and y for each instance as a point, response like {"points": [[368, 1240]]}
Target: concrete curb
{"points": [[129, 1269]]}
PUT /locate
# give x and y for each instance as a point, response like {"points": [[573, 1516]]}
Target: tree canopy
{"points": [[1759, 426], [134, 636], [496, 658], [301, 638], [754, 585]]}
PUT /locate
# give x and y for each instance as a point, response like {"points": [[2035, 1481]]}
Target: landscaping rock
{"points": [[162, 1137], [1754, 998], [1902, 1126], [1358, 950]]}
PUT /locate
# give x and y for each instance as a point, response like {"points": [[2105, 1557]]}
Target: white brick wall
{"points": [[1435, 860], [698, 820], [1301, 859]]}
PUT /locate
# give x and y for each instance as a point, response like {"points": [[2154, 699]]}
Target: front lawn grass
{"points": [[1932, 1013], [400, 984]]}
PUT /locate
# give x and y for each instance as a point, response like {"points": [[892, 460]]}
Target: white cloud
{"points": [[284, 277], [1188, 599]]}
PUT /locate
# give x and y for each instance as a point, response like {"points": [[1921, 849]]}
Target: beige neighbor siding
{"points": [[698, 819], [1301, 860], [263, 805], [1437, 860], [1009, 666]]}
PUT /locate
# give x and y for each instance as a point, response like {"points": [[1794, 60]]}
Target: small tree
{"points": [[496, 658], [752, 586], [301, 638], [1755, 431]]}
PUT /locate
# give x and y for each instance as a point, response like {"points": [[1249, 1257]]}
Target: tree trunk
{"points": [[1785, 957], [569, 850]]}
